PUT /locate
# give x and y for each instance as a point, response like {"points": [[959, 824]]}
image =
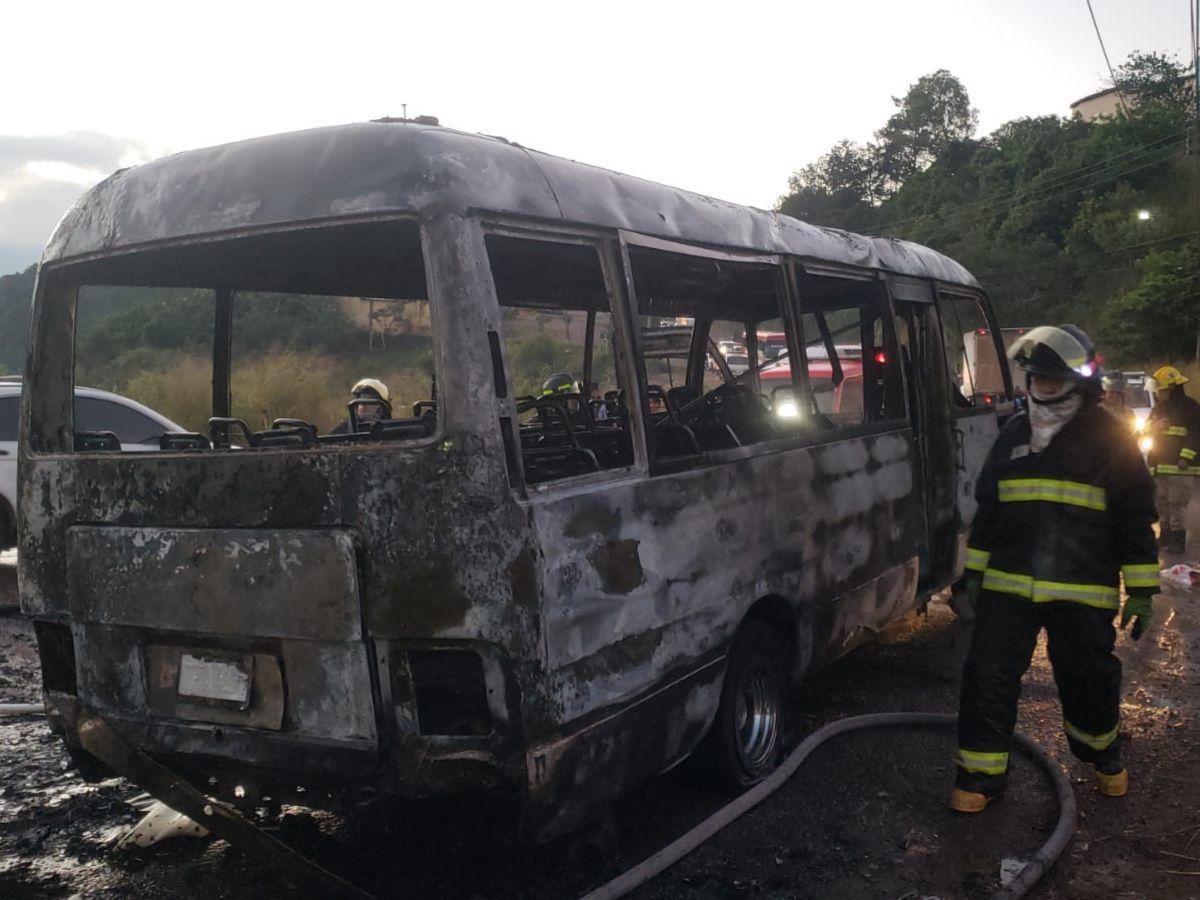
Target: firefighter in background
{"points": [[1066, 507], [1114, 398], [370, 401], [1174, 429]]}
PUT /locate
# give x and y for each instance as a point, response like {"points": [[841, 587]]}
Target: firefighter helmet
{"points": [[1169, 376], [561, 383], [1056, 352], [372, 385]]}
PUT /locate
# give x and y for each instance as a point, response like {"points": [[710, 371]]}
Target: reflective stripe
{"points": [[1168, 469], [1097, 595], [1140, 575], [1051, 490], [1187, 453], [977, 560], [1008, 583], [1177, 431], [1095, 741], [986, 763]]}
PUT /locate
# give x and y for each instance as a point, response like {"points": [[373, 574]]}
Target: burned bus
{"points": [[487, 585]]}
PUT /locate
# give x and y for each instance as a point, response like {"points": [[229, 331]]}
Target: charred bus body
{"points": [[553, 597]]}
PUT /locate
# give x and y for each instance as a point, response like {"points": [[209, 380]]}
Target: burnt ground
{"points": [[864, 817]]}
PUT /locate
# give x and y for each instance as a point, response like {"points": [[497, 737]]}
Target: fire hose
{"points": [[653, 865]]}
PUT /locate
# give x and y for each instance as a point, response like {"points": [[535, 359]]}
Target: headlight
{"points": [[1146, 443], [788, 410], [1139, 424]]}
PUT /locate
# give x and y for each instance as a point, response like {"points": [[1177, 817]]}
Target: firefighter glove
{"points": [[1138, 610], [974, 587], [965, 597]]}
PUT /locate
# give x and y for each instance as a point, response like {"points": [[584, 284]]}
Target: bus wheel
{"points": [[747, 735]]}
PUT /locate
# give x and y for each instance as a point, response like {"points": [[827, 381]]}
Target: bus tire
{"points": [[746, 741]]}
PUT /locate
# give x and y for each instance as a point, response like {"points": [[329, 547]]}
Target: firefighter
{"points": [[560, 383], [1174, 429], [1114, 399], [370, 400], [1066, 507]]}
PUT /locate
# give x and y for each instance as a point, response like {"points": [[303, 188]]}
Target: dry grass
{"points": [[286, 384]]}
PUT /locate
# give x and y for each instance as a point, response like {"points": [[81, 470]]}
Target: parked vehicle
{"points": [[492, 589], [1139, 398], [738, 363], [986, 372], [137, 427]]}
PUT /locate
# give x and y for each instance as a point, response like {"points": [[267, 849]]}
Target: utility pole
{"points": [[1194, 10]]}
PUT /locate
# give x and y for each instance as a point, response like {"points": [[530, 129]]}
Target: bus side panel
{"points": [[646, 581], [975, 433]]}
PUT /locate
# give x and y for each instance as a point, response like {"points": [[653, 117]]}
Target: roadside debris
{"points": [[159, 824], [1181, 575], [1010, 868]]}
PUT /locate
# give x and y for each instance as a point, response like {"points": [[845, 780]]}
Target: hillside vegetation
{"points": [[1060, 219]]}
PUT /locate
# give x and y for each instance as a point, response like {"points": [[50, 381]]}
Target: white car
{"points": [[1139, 398], [137, 427], [738, 363]]}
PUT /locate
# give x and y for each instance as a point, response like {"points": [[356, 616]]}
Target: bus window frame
{"points": [[787, 312], [56, 303], [604, 242], [879, 279], [959, 292]]}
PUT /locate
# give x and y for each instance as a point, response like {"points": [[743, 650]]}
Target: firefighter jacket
{"points": [[1065, 523], [1175, 429]]}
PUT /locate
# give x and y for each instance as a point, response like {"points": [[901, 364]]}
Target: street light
{"points": [[1143, 215]]}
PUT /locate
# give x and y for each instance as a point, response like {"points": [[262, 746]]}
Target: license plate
{"points": [[214, 680]]}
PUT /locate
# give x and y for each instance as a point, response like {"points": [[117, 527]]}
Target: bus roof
{"points": [[375, 168]]}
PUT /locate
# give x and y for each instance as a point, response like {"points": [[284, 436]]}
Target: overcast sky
{"points": [[724, 98]]}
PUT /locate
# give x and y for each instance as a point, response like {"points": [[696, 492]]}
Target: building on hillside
{"points": [[1106, 104]]}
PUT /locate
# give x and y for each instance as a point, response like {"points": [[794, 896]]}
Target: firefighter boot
{"points": [[1112, 779], [969, 801], [973, 791]]}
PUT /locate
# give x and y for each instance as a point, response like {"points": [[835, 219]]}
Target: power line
{"points": [[959, 219], [1104, 252], [1139, 152], [1035, 274], [1116, 87]]}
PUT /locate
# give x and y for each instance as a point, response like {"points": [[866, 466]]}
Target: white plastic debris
{"points": [[1181, 575], [1010, 868], [160, 823]]}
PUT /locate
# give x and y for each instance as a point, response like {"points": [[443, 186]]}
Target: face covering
{"points": [[1048, 413]]}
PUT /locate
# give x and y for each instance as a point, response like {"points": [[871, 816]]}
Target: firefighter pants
{"points": [[1173, 493], [1088, 675]]}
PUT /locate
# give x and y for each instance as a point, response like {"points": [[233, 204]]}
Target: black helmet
{"points": [[561, 383], [1056, 352]]}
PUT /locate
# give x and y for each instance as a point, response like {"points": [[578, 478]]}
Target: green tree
{"points": [[16, 294], [838, 189], [1156, 85], [934, 113], [1160, 317]]}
